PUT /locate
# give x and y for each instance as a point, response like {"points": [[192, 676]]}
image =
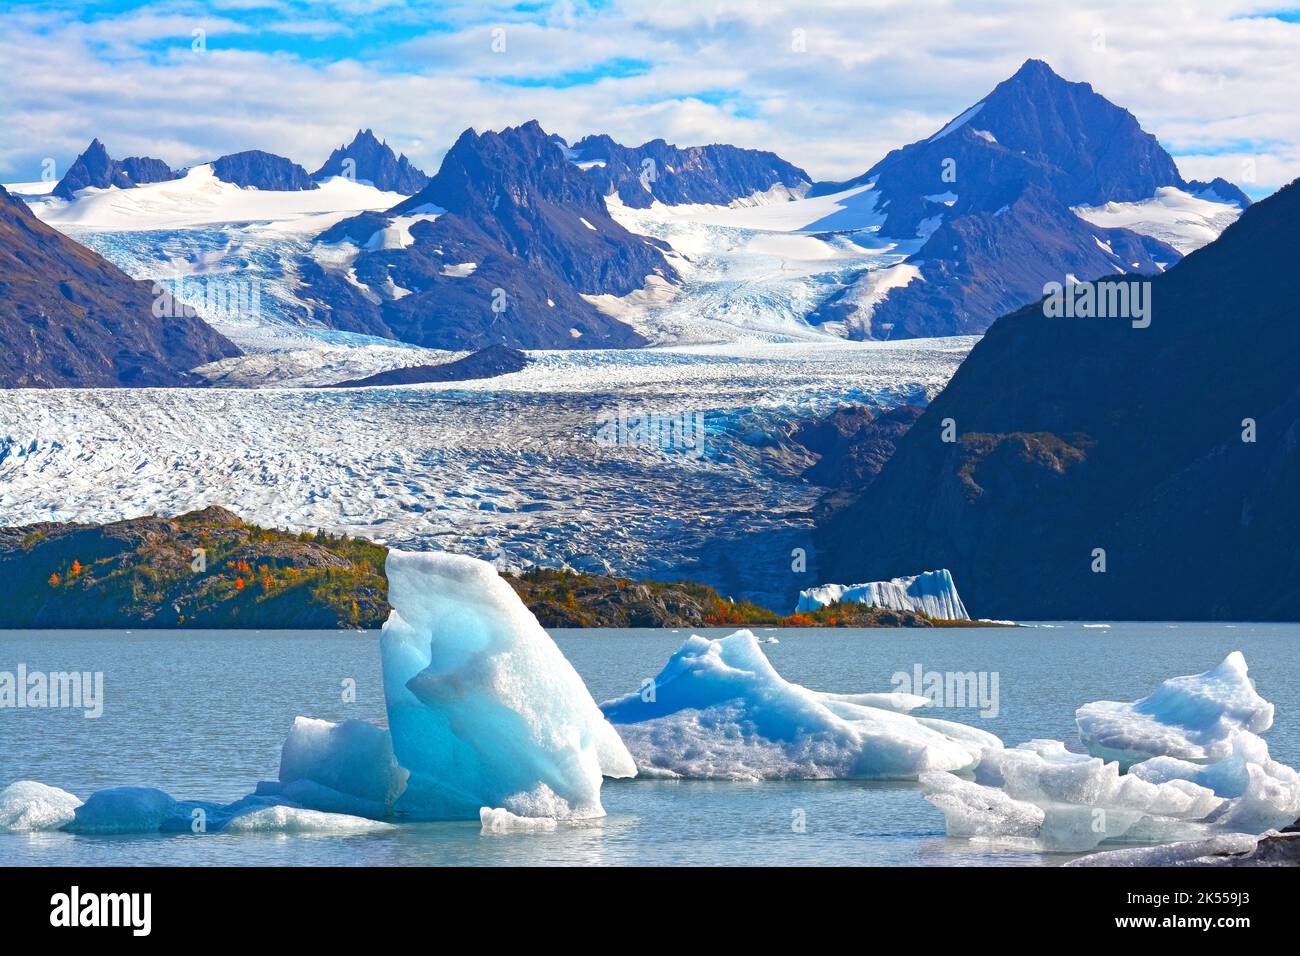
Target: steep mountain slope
{"points": [[993, 193], [70, 318], [373, 162], [96, 168], [716, 174], [1076, 434], [499, 247], [262, 170]]}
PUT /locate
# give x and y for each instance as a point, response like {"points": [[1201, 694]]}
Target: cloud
{"points": [[830, 85]]}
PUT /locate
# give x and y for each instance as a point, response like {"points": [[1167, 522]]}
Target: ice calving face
{"points": [[483, 709], [1191, 718], [720, 710]]}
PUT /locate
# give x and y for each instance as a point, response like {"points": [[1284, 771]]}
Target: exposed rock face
{"points": [[992, 194], [485, 363], [854, 443], [499, 247], [262, 171], [69, 318], [716, 174], [96, 168], [1175, 449], [373, 162]]}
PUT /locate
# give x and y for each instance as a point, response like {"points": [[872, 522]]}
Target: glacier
{"points": [[1046, 797], [933, 593], [719, 710]]}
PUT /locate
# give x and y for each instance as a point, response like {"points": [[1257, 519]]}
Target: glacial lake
{"points": [[202, 715]]}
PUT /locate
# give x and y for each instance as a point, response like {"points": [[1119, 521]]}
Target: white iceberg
{"points": [[501, 820], [932, 593], [296, 820], [1044, 796], [347, 767], [483, 709], [28, 805], [1192, 718], [719, 709]]}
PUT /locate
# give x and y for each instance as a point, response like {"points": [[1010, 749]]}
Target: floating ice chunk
{"points": [[1264, 793], [28, 805], [1042, 795], [353, 759], [1190, 852], [1191, 718], [124, 810], [501, 820], [719, 709], [282, 819], [483, 708], [932, 592]]}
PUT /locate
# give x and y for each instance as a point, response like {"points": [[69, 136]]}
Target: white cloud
{"points": [[1214, 83]]}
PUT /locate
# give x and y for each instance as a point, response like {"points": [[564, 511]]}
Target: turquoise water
{"points": [[202, 715]]}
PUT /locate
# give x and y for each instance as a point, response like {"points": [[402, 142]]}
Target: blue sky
{"points": [[830, 84]]}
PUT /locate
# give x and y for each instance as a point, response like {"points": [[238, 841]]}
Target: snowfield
{"points": [[507, 469]]}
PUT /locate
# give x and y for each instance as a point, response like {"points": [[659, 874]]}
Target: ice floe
{"points": [[1181, 764], [719, 709], [28, 805]]}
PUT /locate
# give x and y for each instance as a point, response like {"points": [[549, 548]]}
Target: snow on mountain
{"points": [[932, 593], [753, 270], [200, 198], [1172, 215], [368, 160]]}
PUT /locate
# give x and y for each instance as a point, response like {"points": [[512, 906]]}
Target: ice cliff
{"points": [[932, 593]]}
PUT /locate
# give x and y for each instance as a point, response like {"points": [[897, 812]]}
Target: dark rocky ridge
{"points": [[485, 363], [70, 318], [96, 168], [716, 174], [262, 170], [1033, 148], [513, 205], [376, 164], [1077, 434]]}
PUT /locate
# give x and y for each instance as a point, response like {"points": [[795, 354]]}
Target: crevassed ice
{"points": [[719, 709], [931, 592]]}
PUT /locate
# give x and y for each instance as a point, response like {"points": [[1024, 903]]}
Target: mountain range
{"points": [[522, 240], [1098, 470]]}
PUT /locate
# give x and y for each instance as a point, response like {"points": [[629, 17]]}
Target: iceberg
{"points": [[347, 767], [932, 593], [483, 709], [1044, 796], [720, 710], [28, 805], [1192, 718]]}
